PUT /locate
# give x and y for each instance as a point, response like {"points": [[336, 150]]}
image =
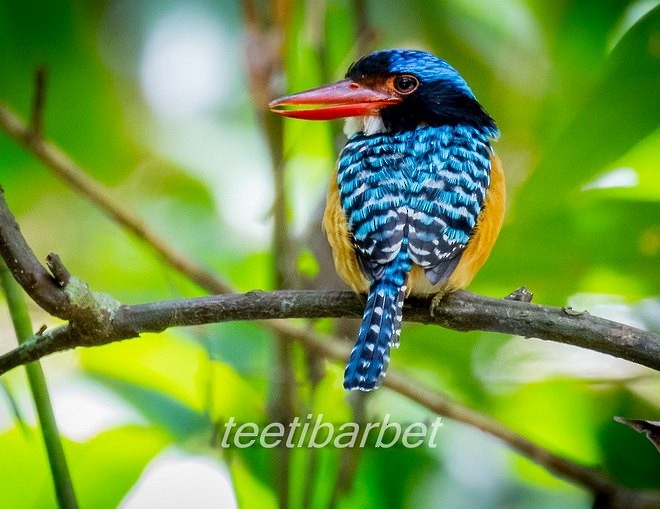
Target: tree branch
{"points": [[264, 50], [462, 310]]}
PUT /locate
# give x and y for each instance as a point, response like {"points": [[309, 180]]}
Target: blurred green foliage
{"points": [[574, 88]]}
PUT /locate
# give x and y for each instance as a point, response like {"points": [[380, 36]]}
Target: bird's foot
{"points": [[435, 302]]}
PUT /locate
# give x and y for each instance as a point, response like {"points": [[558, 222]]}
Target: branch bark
{"points": [[462, 310]]}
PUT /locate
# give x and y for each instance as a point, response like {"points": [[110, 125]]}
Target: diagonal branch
{"points": [[66, 169]]}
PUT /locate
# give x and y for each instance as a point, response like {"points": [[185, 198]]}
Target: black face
{"points": [[436, 104], [433, 92]]}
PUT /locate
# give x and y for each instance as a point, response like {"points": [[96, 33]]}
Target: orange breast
{"points": [[335, 225], [475, 255], [481, 242]]}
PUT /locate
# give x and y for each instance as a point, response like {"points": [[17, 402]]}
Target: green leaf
{"points": [[103, 469], [162, 362], [250, 491], [25, 481], [107, 466], [623, 109]]}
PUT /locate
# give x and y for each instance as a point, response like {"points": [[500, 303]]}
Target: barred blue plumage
{"points": [[380, 328], [412, 185], [409, 197]]}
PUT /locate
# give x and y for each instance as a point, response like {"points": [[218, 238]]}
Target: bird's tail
{"points": [[380, 329]]}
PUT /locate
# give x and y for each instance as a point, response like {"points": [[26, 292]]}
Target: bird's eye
{"points": [[406, 84]]}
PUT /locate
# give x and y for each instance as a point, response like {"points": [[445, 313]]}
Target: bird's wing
{"points": [[486, 231], [446, 197], [372, 194], [427, 188]]}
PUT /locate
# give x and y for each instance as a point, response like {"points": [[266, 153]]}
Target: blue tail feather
{"points": [[381, 325]]}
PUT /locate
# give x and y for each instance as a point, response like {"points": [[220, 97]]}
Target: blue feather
{"points": [[437, 188], [380, 328]]}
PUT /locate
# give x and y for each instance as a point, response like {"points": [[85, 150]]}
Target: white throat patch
{"points": [[368, 125]]}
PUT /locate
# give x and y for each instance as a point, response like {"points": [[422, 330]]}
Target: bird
{"points": [[418, 196]]}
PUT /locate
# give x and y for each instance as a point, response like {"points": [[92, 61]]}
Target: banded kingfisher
{"points": [[418, 197]]}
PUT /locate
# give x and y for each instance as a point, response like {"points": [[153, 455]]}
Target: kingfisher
{"points": [[418, 196]]}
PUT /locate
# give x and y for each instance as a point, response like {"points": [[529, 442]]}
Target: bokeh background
{"points": [[163, 103]]}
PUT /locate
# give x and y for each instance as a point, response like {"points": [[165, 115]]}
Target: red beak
{"points": [[344, 98]]}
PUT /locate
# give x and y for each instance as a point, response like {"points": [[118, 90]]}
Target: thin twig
{"points": [[38, 102], [264, 64], [521, 294], [57, 268]]}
